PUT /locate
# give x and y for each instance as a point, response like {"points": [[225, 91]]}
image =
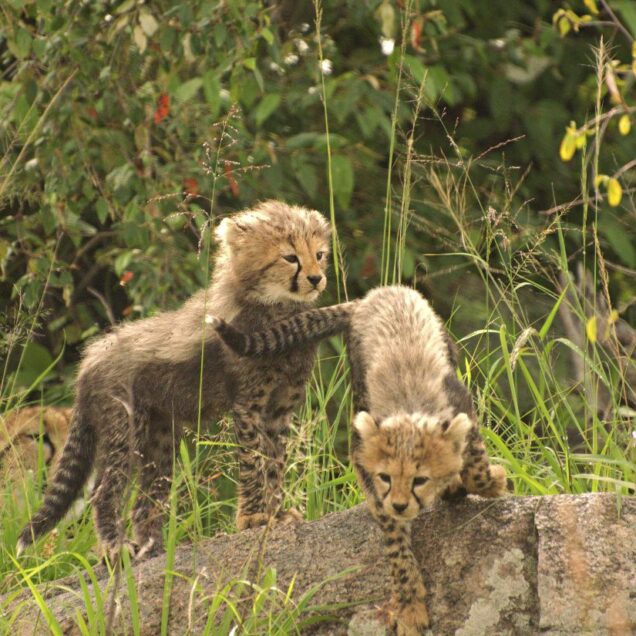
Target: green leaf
{"points": [[385, 14], [620, 241], [548, 321], [302, 140], [35, 360], [212, 92], [21, 45], [121, 176], [627, 11], [188, 89], [101, 209], [267, 35], [167, 38], [343, 179], [125, 6], [250, 63], [140, 38], [148, 22], [266, 107], [4, 254], [307, 177], [121, 262]]}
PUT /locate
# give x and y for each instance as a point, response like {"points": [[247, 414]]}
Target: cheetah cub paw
{"points": [[498, 482], [411, 619], [112, 553], [254, 520], [288, 517]]}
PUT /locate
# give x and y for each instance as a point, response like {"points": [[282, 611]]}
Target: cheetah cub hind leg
{"points": [[478, 475]]}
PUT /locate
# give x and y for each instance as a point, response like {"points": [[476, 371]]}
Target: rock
{"points": [[519, 565]]}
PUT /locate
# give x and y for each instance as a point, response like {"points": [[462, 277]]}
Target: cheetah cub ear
{"points": [[228, 232], [365, 425], [232, 231], [457, 430]]}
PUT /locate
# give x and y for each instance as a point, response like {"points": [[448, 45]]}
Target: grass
{"points": [[538, 391]]}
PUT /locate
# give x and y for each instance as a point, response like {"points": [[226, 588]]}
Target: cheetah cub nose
{"points": [[314, 280], [400, 507]]}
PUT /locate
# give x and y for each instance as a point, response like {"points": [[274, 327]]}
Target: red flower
{"points": [[163, 108], [191, 185], [126, 277], [229, 175], [416, 33]]}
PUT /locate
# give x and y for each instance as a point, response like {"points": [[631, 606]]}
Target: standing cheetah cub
{"points": [[138, 386], [415, 436]]}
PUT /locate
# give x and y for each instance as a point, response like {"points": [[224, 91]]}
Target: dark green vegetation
{"points": [[127, 130]]}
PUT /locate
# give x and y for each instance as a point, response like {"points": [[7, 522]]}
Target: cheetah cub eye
{"points": [[419, 481], [385, 478], [291, 258]]}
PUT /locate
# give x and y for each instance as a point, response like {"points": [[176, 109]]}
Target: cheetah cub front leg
{"points": [[407, 611]]}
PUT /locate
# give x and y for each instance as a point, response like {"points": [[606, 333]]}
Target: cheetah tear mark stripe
{"points": [[73, 471], [304, 327], [294, 282]]}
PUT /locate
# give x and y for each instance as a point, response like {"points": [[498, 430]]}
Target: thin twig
{"points": [[109, 312]]}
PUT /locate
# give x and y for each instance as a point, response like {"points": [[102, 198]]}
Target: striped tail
{"points": [[302, 328], [70, 476]]}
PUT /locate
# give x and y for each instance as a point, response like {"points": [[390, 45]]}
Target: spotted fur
{"points": [[415, 434], [138, 386]]}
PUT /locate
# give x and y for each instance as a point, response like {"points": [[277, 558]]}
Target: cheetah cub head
{"points": [[276, 252], [409, 459]]}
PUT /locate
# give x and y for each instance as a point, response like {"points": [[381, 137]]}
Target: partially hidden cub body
{"points": [[31, 435], [415, 436], [138, 386]]}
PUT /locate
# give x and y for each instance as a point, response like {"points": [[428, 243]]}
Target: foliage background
{"points": [[128, 129], [111, 111], [464, 147]]}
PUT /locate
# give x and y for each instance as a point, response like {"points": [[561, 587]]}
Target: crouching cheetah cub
{"points": [[415, 435]]}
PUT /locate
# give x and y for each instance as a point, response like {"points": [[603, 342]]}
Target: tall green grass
{"points": [[539, 420]]}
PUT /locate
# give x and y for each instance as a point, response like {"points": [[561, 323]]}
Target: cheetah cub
{"points": [[138, 386], [27, 434], [415, 435]]}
